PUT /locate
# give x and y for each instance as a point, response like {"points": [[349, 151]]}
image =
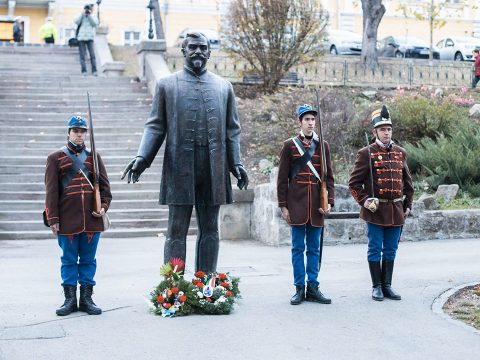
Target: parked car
{"points": [[212, 36], [458, 48], [405, 46], [341, 42]]}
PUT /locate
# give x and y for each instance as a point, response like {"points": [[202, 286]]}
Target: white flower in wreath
{"points": [[221, 299], [180, 293], [219, 287], [200, 294]]}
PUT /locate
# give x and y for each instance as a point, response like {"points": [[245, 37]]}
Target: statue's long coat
{"points": [[177, 101]]}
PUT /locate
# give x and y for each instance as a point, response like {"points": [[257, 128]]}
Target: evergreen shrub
{"points": [[444, 160], [416, 117]]}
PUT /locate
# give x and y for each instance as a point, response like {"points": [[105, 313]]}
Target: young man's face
{"points": [[77, 136], [475, 54], [383, 133], [307, 124]]}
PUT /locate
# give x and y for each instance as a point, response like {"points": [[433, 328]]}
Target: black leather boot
{"points": [[387, 272], [314, 294], [70, 304], [376, 275], [299, 296], [86, 303]]}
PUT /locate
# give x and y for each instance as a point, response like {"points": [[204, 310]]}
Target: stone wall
{"points": [[267, 226]]}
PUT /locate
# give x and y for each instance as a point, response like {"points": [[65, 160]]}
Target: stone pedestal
{"points": [[235, 219]]}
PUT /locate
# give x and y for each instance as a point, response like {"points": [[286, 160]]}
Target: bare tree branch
{"points": [[275, 35]]}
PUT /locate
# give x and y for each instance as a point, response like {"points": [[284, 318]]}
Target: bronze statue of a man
{"points": [[196, 112]]}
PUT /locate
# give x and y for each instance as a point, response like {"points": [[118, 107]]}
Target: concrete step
{"points": [[112, 170], [43, 152], [59, 138], [60, 96], [35, 115], [57, 90], [82, 109], [40, 160], [73, 103], [60, 128], [37, 224], [114, 186], [111, 233], [39, 205], [118, 195], [149, 175], [117, 214]]}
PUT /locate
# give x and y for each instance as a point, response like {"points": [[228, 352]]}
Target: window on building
{"points": [[131, 38]]}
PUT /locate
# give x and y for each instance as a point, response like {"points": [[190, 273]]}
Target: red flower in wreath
{"points": [[225, 285], [200, 285], [167, 305], [222, 276], [160, 299], [178, 263], [174, 290], [208, 299], [182, 298], [229, 294], [200, 274]]}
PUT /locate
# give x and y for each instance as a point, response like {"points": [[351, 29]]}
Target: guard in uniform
{"points": [[69, 213], [299, 200], [385, 200]]}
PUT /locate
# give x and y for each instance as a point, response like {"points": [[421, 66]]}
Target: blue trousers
{"points": [[382, 242], [78, 259], [309, 235]]}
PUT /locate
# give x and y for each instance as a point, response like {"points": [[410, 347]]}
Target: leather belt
{"points": [[390, 200]]}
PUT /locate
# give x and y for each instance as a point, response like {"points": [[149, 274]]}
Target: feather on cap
{"points": [[381, 117]]}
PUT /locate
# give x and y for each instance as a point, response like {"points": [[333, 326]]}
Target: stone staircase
{"points": [[40, 88]]}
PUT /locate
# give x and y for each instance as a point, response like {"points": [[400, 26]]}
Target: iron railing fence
{"points": [[350, 72]]}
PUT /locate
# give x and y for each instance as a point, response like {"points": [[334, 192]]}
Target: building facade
{"points": [[128, 20]]}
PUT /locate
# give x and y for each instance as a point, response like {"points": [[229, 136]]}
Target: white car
{"points": [[458, 48], [212, 36], [342, 42]]}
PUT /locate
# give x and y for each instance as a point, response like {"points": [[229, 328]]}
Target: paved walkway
{"points": [[263, 326]]}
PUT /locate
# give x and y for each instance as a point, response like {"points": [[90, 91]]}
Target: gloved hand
{"points": [[241, 174], [134, 169]]}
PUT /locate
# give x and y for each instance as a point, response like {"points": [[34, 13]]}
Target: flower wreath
{"points": [[174, 296], [215, 293]]}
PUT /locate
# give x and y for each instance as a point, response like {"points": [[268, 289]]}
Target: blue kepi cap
{"points": [[304, 109]]}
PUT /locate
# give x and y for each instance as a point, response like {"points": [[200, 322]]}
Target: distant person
{"points": [[476, 55], [86, 33], [17, 31], [48, 31]]}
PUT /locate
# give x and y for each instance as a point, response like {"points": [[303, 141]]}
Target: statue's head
{"points": [[196, 50]]}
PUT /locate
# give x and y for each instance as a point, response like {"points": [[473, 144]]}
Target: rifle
{"points": [[323, 161], [97, 204]]}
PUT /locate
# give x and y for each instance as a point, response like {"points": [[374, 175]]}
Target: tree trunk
{"points": [[373, 11]]}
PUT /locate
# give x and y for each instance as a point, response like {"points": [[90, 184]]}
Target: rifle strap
{"points": [[77, 164], [305, 158]]}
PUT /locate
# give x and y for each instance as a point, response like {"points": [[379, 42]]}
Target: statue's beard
{"points": [[198, 61]]}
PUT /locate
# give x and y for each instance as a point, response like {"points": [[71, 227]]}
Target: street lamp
{"points": [[150, 7], [98, 10]]}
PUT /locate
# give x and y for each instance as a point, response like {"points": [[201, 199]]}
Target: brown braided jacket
{"points": [[301, 195], [72, 208], [391, 180]]}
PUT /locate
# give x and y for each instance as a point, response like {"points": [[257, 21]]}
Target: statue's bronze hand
{"points": [[134, 169], [241, 174]]}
